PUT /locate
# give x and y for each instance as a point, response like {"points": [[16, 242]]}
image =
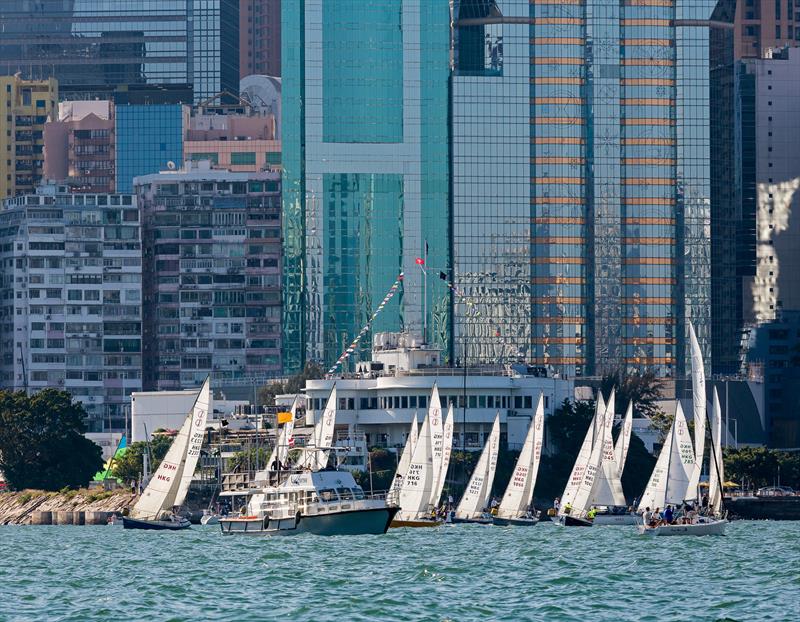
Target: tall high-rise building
{"points": [[770, 95], [25, 108], [212, 273], [71, 299], [764, 24], [576, 164], [93, 45], [581, 181], [365, 156], [260, 37]]}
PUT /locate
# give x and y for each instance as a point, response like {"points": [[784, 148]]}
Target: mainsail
{"points": [[607, 488], [479, 489], [576, 476], [624, 440], [447, 450], [170, 483], [589, 473], [698, 411], [437, 437], [717, 471], [670, 478], [682, 462], [415, 492], [519, 491], [405, 458]]}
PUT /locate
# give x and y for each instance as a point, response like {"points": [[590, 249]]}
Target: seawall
{"points": [[74, 507]]}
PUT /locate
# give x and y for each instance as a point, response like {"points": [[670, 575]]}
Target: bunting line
{"points": [[364, 329]]}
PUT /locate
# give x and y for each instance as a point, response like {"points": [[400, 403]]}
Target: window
{"points": [[243, 158], [274, 157]]}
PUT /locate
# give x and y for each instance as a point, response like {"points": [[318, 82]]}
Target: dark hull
{"points": [[475, 521], [350, 523], [155, 525], [565, 520], [514, 522]]}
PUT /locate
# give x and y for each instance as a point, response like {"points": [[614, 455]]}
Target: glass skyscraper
{"points": [[91, 45], [148, 139], [581, 181], [365, 158], [555, 155]]}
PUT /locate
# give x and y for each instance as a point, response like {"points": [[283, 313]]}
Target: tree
{"points": [[294, 384], [131, 465], [42, 442], [759, 466], [644, 389]]}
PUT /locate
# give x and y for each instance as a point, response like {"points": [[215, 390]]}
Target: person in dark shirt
{"points": [[668, 515]]}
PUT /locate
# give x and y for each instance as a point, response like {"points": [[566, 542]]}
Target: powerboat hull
{"points": [[373, 521], [706, 528], [616, 519], [155, 525], [567, 520], [514, 522], [209, 519]]}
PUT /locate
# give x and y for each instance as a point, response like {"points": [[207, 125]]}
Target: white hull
{"points": [[710, 528], [209, 519], [616, 519]]}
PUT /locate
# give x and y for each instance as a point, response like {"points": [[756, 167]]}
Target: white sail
{"points": [[682, 462], [479, 488], [656, 490], [161, 494], [580, 503], [325, 439], [447, 450], [698, 411], [576, 476], [197, 434], [607, 488], [624, 440], [717, 469], [437, 436], [405, 458], [415, 491], [520, 487]]}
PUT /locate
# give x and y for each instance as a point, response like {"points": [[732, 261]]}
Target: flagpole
{"points": [[425, 297]]}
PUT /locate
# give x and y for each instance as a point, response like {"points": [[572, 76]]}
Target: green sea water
{"points": [[455, 572]]}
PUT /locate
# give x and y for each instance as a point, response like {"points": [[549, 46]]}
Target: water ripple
{"points": [[453, 573]]}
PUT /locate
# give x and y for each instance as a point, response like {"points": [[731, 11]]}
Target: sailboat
{"points": [[607, 497], [679, 464], [167, 489], [572, 511], [420, 481], [478, 493], [516, 507]]}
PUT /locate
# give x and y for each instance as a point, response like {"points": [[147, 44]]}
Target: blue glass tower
{"points": [[365, 171], [148, 138]]}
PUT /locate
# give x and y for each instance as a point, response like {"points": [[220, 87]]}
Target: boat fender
{"points": [[297, 518]]}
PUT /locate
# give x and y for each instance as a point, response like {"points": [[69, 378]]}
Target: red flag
{"points": [[420, 261]]}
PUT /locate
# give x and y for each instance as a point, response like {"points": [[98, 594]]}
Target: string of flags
{"points": [[364, 329], [471, 307]]}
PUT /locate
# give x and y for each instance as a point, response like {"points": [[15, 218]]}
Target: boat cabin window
{"points": [[345, 493], [328, 494], [358, 492]]}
